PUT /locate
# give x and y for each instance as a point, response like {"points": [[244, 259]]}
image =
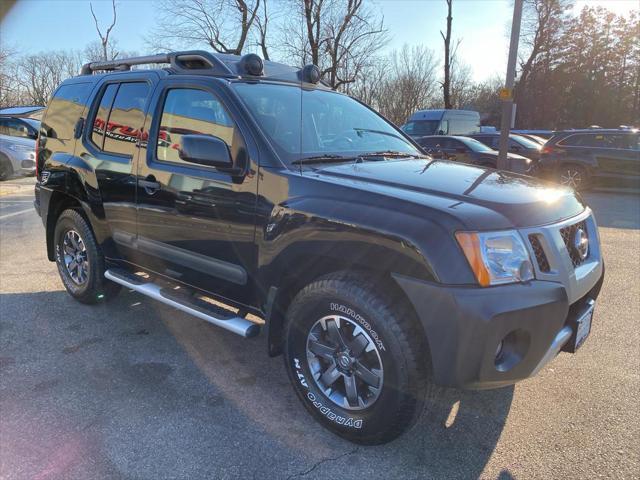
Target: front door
{"points": [[196, 224]]}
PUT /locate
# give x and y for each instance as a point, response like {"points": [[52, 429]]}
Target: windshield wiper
{"points": [[392, 154], [323, 159], [379, 132]]}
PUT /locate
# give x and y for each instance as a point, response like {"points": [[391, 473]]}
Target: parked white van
{"points": [[442, 122]]}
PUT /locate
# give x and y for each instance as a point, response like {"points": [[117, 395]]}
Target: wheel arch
{"points": [[301, 270], [58, 203]]}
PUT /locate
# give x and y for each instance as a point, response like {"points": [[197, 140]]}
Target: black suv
{"points": [[594, 157], [375, 269]]}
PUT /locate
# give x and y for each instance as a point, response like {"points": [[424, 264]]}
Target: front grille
{"points": [[541, 257], [567, 235]]}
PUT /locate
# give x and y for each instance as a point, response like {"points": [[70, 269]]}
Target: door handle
{"points": [[149, 184]]}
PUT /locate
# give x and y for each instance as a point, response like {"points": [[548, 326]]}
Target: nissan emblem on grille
{"points": [[581, 243]]}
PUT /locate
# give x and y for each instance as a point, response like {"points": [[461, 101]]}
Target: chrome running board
{"points": [[193, 306]]}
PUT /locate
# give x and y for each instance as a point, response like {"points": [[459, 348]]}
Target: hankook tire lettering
{"points": [[337, 307]]}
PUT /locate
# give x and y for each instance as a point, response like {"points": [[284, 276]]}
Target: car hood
{"points": [[27, 142], [480, 198]]}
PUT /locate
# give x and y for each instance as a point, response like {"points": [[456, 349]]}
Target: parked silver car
{"points": [[17, 146]]}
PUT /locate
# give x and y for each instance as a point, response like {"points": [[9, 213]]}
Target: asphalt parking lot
{"points": [[136, 390]]}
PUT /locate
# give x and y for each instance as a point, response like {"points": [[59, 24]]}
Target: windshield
{"points": [[475, 145], [525, 142], [319, 123], [421, 128]]}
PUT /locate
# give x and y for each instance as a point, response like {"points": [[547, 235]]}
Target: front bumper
{"points": [[465, 325]]}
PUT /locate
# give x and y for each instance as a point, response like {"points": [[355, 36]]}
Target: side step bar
{"points": [[193, 306]]}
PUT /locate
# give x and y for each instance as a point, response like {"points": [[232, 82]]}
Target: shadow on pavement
{"points": [[134, 389], [615, 210]]}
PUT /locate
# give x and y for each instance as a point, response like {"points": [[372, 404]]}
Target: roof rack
{"points": [[192, 61]]}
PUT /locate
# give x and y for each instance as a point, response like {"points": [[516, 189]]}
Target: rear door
{"points": [[618, 157], [195, 223], [110, 146]]}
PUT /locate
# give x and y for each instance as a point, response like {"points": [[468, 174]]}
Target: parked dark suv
{"points": [[375, 269], [586, 158]]}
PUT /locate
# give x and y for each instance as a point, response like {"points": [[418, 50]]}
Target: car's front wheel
{"points": [[6, 170], [80, 261], [356, 359]]}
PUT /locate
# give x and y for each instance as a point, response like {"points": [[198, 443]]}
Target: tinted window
{"points": [[188, 112], [126, 118], [459, 126], [429, 142], [475, 145], [64, 109], [624, 141], [13, 128], [102, 115], [523, 142], [598, 140], [421, 127]]}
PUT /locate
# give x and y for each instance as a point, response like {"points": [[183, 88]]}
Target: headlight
{"points": [[496, 257]]}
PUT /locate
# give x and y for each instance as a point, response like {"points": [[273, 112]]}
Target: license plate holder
{"points": [[581, 328]]}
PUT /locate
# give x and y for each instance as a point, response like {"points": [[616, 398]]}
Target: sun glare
{"points": [[619, 7]]}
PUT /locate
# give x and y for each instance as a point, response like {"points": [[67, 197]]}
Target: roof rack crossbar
{"points": [[205, 62]]}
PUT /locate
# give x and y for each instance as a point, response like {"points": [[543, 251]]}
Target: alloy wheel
{"points": [[572, 178], [345, 362], [74, 256]]}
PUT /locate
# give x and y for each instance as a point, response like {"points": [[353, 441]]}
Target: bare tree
{"points": [[342, 37], [542, 28], [262, 23], [401, 83], [446, 83], [223, 25], [39, 75], [461, 84], [108, 51]]}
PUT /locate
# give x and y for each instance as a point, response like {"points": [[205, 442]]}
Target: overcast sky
{"points": [[482, 25]]}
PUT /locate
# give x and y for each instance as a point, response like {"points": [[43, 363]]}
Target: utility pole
{"points": [[506, 94]]}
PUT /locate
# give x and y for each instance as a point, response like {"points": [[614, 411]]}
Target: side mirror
{"points": [[514, 148], [206, 150]]}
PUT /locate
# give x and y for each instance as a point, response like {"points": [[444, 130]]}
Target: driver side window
{"points": [[189, 111]]}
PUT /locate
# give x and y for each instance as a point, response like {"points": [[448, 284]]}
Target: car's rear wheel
{"points": [[356, 359], [80, 261], [573, 176], [6, 170]]}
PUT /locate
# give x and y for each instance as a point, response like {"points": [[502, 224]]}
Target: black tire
{"points": [[90, 286], [6, 170], [573, 176], [398, 341]]}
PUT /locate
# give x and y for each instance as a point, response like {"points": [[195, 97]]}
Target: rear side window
{"points": [[126, 118], [597, 140], [64, 110], [189, 112], [13, 128], [102, 115], [463, 126]]}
